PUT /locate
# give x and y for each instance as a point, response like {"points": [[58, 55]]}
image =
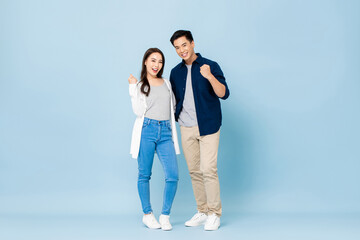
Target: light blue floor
{"points": [[234, 226]]}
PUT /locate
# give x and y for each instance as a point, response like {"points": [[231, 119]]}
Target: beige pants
{"points": [[201, 157]]}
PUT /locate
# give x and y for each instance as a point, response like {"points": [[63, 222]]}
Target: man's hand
{"points": [[218, 87], [132, 79], [206, 71]]}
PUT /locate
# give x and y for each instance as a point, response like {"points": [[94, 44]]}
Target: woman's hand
{"points": [[132, 79]]}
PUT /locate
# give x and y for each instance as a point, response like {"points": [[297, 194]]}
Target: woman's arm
{"points": [[138, 105]]}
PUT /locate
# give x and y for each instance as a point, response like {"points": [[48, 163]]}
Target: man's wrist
{"points": [[211, 78]]}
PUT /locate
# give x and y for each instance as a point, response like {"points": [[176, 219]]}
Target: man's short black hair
{"points": [[181, 33]]}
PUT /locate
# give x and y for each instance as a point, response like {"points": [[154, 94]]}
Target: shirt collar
{"points": [[198, 60]]}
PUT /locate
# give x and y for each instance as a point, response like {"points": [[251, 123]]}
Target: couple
{"points": [[191, 97]]}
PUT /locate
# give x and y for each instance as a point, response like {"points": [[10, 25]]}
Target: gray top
{"points": [[158, 103], [187, 117]]}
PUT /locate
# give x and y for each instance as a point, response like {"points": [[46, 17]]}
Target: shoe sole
{"points": [[151, 227], [211, 229], [194, 225], [164, 229]]}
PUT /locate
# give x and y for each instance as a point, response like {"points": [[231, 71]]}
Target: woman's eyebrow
{"points": [[155, 59]]}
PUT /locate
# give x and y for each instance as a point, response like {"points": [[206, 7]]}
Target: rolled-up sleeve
{"points": [[219, 75]]}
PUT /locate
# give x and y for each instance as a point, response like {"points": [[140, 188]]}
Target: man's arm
{"points": [[172, 81], [217, 81]]}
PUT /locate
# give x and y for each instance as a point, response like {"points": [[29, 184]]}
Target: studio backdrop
{"points": [[290, 134]]}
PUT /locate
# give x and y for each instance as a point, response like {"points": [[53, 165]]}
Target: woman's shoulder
{"points": [[167, 82]]}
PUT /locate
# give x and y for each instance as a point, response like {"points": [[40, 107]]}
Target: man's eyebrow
{"points": [[184, 43]]}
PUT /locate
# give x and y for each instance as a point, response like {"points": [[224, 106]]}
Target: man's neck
{"points": [[191, 60]]}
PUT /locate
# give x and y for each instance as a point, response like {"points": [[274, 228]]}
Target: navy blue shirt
{"points": [[207, 103]]}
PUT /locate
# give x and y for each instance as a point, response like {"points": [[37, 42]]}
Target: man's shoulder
{"points": [[208, 61]]}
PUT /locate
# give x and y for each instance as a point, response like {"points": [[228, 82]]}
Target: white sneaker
{"points": [[197, 220], [164, 222], [150, 221], [212, 222]]}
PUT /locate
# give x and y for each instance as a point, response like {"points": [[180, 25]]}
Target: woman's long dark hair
{"points": [[145, 85]]}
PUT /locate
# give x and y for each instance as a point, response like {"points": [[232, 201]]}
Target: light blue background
{"points": [[290, 135]]}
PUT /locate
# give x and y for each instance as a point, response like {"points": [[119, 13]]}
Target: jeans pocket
{"points": [[145, 124]]}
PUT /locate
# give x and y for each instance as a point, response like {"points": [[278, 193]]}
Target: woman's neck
{"points": [[155, 81]]}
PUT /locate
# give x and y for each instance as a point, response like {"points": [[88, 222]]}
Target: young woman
{"points": [[154, 131]]}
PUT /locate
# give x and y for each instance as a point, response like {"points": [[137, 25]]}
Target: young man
{"points": [[198, 83]]}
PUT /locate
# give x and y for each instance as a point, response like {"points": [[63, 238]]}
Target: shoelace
{"points": [[211, 219], [166, 222], [198, 215], [152, 219]]}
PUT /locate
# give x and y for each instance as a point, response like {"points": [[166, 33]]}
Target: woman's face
{"points": [[153, 64]]}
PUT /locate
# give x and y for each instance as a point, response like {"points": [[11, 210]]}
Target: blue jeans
{"points": [[156, 136]]}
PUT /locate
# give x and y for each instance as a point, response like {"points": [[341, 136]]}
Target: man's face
{"points": [[184, 48]]}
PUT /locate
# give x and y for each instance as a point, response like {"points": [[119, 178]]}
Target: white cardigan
{"points": [[138, 102]]}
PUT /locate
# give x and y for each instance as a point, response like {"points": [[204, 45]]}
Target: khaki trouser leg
{"points": [[209, 145], [191, 148], [201, 157]]}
